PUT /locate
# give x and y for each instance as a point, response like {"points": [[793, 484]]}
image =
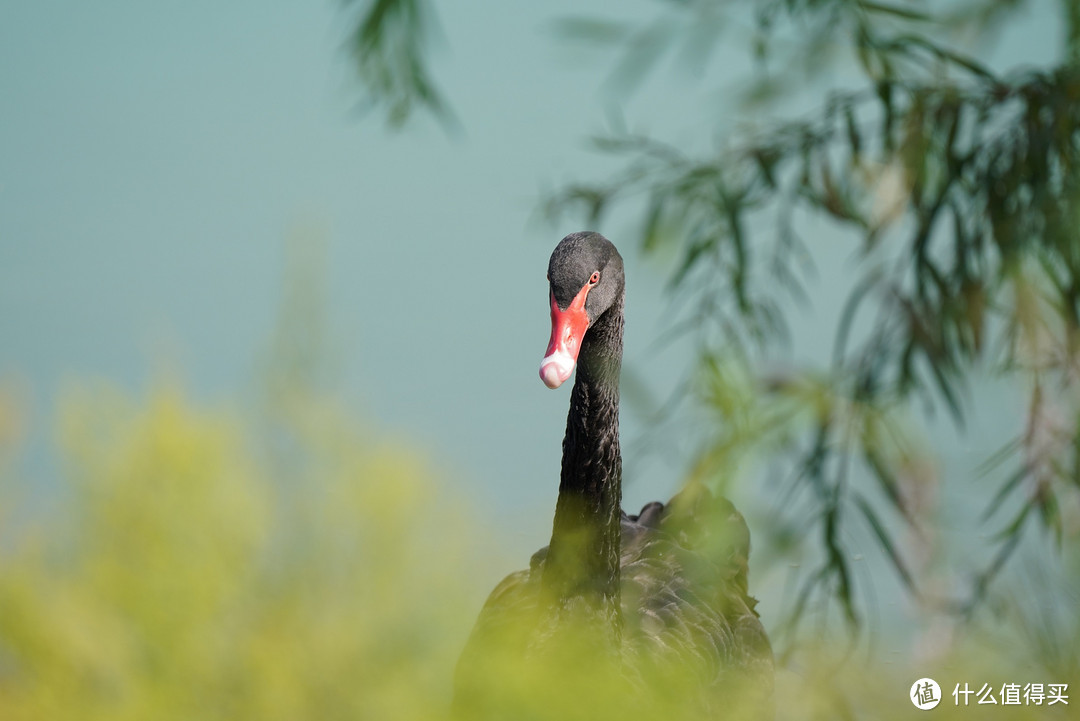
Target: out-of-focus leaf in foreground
{"points": [[388, 44], [189, 581], [191, 578]]}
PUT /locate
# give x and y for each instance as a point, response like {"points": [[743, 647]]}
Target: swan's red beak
{"points": [[567, 329]]}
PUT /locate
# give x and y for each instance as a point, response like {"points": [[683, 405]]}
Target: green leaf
{"points": [[888, 483], [895, 11], [1004, 491], [651, 235], [886, 543]]}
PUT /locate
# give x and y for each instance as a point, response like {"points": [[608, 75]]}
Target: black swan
{"points": [[619, 611]]}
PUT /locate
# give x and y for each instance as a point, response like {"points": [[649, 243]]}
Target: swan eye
{"points": [[595, 278]]}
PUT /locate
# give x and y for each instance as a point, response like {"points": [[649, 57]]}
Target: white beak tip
{"points": [[555, 369]]}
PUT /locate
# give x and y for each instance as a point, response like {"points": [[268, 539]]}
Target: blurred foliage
{"points": [[185, 578], [388, 44], [961, 185]]}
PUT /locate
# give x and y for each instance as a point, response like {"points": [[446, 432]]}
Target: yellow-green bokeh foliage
{"points": [[201, 570], [210, 565]]}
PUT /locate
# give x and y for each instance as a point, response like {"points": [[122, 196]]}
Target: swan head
{"points": [[585, 277]]}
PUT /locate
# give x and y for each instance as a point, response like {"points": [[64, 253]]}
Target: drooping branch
{"points": [[963, 187]]}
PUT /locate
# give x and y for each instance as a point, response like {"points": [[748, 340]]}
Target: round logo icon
{"points": [[925, 694]]}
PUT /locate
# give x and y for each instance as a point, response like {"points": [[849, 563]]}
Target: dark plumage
{"points": [[656, 602]]}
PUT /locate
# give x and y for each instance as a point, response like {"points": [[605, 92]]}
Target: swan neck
{"points": [[583, 559]]}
